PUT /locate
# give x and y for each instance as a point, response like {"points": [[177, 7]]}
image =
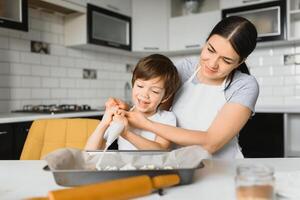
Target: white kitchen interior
{"points": [[55, 60], [30, 78]]}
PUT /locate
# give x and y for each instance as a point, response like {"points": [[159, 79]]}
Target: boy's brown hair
{"points": [[157, 65]]}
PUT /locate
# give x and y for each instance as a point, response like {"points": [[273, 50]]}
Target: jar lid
{"points": [[254, 171]]}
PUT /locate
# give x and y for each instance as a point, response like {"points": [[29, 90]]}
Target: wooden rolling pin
{"points": [[126, 188]]}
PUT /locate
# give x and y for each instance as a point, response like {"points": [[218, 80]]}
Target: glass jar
{"points": [[254, 182]]}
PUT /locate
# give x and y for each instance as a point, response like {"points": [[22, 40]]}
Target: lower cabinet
{"points": [[263, 136], [20, 134], [6, 142], [12, 139]]}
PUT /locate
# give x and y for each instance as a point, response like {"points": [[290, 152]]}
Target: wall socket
{"points": [[89, 74], [291, 59]]}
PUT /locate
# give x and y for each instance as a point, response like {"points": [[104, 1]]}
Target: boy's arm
{"points": [[96, 141]]}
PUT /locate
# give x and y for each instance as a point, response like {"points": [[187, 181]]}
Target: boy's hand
{"points": [[120, 116], [111, 102], [108, 115]]}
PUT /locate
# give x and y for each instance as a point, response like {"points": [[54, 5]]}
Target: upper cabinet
{"points": [[64, 7], [98, 27], [293, 19], [119, 6], [14, 14], [150, 25], [238, 3], [190, 26]]}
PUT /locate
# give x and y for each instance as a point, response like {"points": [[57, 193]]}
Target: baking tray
{"points": [[82, 177]]}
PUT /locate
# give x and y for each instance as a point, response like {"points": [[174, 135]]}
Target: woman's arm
{"points": [[229, 121], [142, 143]]}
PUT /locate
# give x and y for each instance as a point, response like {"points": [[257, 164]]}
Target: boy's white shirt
{"points": [[161, 116]]}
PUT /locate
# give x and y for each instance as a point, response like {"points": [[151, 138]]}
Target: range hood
{"points": [[60, 6]]}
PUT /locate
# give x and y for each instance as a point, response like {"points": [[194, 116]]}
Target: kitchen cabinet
{"points": [[119, 6], [62, 6], [6, 142], [14, 14], [150, 25], [292, 138], [12, 139], [238, 3], [293, 19], [191, 31], [20, 134], [263, 136]]}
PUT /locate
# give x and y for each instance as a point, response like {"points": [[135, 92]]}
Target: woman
{"points": [[217, 96]]}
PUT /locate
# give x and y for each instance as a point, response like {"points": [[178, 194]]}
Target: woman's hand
{"points": [[116, 102], [137, 119]]}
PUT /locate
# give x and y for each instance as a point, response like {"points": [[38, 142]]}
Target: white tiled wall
{"points": [[31, 78], [279, 83]]}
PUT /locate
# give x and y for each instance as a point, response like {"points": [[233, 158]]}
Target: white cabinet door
{"points": [[190, 32], [119, 6], [238, 3], [150, 25]]}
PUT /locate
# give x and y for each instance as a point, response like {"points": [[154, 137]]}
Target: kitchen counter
{"points": [[277, 109], [22, 117], [23, 179]]}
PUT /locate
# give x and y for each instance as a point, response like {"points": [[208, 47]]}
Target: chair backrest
{"points": [[47, 135]]}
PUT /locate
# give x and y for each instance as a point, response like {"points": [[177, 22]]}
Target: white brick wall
{"points": [[30, 78]]}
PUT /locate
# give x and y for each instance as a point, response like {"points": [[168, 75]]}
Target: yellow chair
{"points": [[48, 135]]}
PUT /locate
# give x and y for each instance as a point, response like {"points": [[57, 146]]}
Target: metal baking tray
{"points": [[82, 177]]}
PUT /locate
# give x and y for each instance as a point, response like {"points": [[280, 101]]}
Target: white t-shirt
{"points": [[161, 116]]}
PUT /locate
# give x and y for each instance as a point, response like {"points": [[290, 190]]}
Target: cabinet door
{"points": [[263, 136], [190, 32], [150, 25], [238, 3], [119, 6], [20, 134], [6, 142]]}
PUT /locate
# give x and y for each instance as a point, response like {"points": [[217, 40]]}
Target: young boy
{"points": [[155, 80]]}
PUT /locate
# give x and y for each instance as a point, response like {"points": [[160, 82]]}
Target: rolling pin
{"points": [[120, 189]]}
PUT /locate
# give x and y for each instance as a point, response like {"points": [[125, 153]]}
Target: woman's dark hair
{"points": [[241, 34], [157, 65]]}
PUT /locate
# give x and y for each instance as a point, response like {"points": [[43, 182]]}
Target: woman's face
{"points": [[148, 94], [217, 60]]}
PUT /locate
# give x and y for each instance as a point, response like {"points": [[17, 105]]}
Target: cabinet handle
{"points": [[192, 46], [151, 48], [113, 7], [113, 44], [249, 1], [3, 132]]}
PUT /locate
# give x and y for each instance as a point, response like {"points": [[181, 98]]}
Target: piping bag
{"points": [[120, 189], [114, 130]]}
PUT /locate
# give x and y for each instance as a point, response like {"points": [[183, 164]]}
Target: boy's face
{"points": [[148, 94]]}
